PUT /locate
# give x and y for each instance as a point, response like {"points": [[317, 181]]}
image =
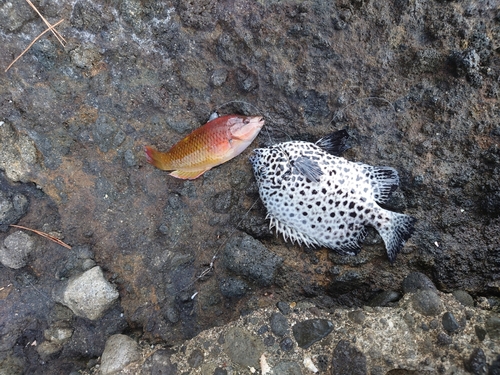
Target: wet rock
{"points": [[233, 288], [450, 324], [427, 303], [310, 331], [284, 307], [13, 206], [15, 250], [463, 297], [492, 326], [90, 294], [159, 364], [279, 324], [120, 351], [416, 281], [476, 363], [384, 298], [246, 256], [347, 359], [289, 368], [243, 348]]}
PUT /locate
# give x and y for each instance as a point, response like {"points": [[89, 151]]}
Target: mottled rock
{"points": [[493, 327], [427, 302], [476, 363], [450, 324], [279, 324], [231, 287], [246, 256], [286, 344], [444, 339], [12, 208], [357, 316], [120, 351], [89, 294], [310, 331], [195, 359], [463, 297], [17, 153], [159, 364], [287, 367], [15, 250], [347, 359], [416, 281], [243, 348]]}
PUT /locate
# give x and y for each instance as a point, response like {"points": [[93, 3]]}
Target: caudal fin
{"points": [[396, 232], [155, 157]]}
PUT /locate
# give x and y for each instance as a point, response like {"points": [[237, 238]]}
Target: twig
{"points": [[54, 31], [48, 236], [33, 42]]}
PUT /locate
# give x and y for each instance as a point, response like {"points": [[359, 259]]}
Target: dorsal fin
{"points": [[384, 181], [309, 168], [335, 143]]}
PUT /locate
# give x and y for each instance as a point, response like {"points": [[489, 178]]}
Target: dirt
{"points": [[415, 83]]}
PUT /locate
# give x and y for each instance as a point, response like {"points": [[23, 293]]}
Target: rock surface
{"points": [[15, 250], [120, 351]]}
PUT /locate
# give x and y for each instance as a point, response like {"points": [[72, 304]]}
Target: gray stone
{"points": [[310, 331], [463, 297], [279, 324], [383, 298], [120, 350], [17, 153], [348, 360], [231, 287], [427, 303], [283, 307], [493, 327], [287, 367], [246, 256], [476, 363], [15, 250], [159, 364], [450, 324], [89, 294], [357, 316], [195, 359], [243, 348], [12, 208], [416, 281]]}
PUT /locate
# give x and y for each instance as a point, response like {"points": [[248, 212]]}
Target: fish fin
{"points": [[188, 175], [395, 234], [154, 157], [385, 180], [309, 168], [335, 143], [353, 247]]}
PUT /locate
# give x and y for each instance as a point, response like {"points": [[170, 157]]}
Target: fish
{"points": [[315, 197], [219, 140]]}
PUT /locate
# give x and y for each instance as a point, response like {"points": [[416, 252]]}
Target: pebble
{"points": [[289, 368], [427, 302], [347, 359], [450, 324], [463, 297], [196, 358], [284, 307], [243, 348], [493, 327], [416, 281], [444, 339], [89, 295], [15, 250], [247, 257], [286, 344], [12, 208], [120, 350], [476, 363], [384, 298], [159, 363], [279, 324], [310, 331], [356, 316]]}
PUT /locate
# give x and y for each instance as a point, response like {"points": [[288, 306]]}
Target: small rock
{"points": [[310, 331], [220, 371], [480, 333], [246, 256], [286, 344], [493, 327], [463, 297], [357, 316], [347, 359], [476, 363], [15, 250], [284, 307], [384, 298], [12, 208], [444, 339], [416, 281], [159, 364], [427, 303], [195, 358], [279, 324], [120, 351], [243, 348], [289, 368], [89, 294], [450, 324], [495, 367]]}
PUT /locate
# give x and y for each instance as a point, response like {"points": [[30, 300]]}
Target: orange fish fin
{"points": [[154, 157], [188, 175]]}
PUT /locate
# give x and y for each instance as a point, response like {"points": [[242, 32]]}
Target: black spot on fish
{"points": [[318, 203], [319, 219], [352, 214], [341, 226], [337, 203], [330, 201], [342, 213], [323, 190], [304, 213], [360, 208], [351, 205], [332, 214]]}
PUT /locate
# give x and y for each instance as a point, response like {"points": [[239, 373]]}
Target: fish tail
{"points": [[156, 158], [396, 232]]}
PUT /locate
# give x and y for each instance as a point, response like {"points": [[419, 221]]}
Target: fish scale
{"points": [[315, 197]]}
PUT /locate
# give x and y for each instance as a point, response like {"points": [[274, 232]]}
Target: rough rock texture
{"points": [[89, 295], [120, 350], [15, 250], [415, 83]]}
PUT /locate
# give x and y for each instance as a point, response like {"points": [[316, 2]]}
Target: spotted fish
{"points": [[315, 197]]}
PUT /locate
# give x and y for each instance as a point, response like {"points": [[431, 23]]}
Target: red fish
{"points": [[216, 142]]}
